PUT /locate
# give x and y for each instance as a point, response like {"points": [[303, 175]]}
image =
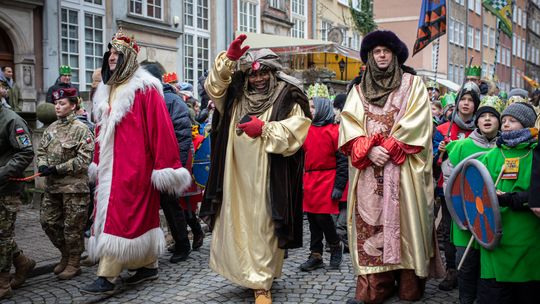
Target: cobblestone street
{"points": [[190, 281]]}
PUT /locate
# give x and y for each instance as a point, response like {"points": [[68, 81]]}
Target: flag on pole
{"points": [[432, 23], [502, 9]]}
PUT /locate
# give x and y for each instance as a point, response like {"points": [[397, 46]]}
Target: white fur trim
{"points": [[152, 243], [93, 172], [173, 181], [123, 100]]}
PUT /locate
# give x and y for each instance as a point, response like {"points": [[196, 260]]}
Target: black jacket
{"points": [[56, 86], [179, 112], [16, 151]]}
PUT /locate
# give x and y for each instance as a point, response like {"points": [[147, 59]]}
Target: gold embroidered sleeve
{"points": [[219, 79]]}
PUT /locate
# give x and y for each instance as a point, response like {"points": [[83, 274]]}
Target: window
{"points": [[70, 42], [93, 45], [146, 8], [508, 61], [202, 13], [514, 47], [478, 7], [514, 14], [325, 28], [196, 41], [492, 38], [484, 69], [461, 34], [518, 50], [477, 40], [248, 16], [485, 36], [523, 48], [355, 42], [188, 12], [519, 16], [96, 2], [470, 37], [471, 4], [451, 30], [513, 77], [277, 4], [299, 18], [450, 72], [81, 43], [499, 54]]}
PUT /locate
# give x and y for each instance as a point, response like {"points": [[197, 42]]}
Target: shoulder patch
{"points": [[24, 141]]}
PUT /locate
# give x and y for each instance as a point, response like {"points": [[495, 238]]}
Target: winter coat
{"points": [[179, 112], [16, 151], [57, 86]]}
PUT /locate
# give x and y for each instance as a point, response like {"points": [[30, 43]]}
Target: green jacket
{"points": [[16, 151], [516, 258]]}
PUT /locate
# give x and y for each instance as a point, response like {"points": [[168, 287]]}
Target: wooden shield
{"points": [[481, 204], [453, 194]]}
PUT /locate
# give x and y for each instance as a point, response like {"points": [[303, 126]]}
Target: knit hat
{"points": [[521, 111], [472, 89], [518, 92], [490, 104]]}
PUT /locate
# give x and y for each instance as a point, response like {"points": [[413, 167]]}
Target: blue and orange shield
{"points": [[453, 194], [481, 204], [201, 163]]}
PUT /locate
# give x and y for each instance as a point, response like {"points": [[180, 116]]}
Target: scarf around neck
{"points": [[467, 126], [377, 84], [513, 138]]}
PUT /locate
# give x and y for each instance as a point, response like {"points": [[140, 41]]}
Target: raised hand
{"points": [[236, 50]]}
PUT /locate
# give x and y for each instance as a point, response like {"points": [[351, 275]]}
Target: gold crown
{"points": [[121, 40]]}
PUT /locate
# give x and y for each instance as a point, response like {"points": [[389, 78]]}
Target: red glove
{"points": [[252, 128], [236, 50], [361, 148], [398, 150]]}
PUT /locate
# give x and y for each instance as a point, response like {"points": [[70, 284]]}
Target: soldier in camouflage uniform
{"points": [[63, 156], [16, 154]]}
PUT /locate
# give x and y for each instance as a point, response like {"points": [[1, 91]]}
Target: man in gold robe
{"points": [[254, 192], [386, 132]]}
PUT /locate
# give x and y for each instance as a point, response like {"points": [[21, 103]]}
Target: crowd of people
{"points": [[368, 168]]}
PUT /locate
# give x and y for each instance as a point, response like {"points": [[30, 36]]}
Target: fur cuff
{"points": [[93, 172], [173, 181]]}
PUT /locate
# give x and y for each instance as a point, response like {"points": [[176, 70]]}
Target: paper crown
{"points": [[64, 70], [513, 99], [64, 93], [474, 70], [170, 77], [494, 102], [121, 41], [448, 99], [317, 90], [432, 84]]}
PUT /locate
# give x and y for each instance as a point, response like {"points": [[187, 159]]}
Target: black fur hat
{"points": [[387, 39]]}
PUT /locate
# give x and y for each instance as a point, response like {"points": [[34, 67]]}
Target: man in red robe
{"points": [[136, 157]]}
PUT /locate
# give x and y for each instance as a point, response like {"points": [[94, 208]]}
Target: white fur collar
{"points": [[123, 100]]}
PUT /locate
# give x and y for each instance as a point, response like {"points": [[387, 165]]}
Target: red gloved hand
{"points": [[360, 150], [252, 128], [398, 150], [236, 50]]}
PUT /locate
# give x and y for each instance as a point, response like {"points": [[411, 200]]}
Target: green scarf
{"points": [[377, 84]]}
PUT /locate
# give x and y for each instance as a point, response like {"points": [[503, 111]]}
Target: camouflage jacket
{"points": [[67, 144], [16, 151]]}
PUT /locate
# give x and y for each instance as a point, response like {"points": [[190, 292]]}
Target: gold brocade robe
{"points": [[244, 247], [416, 185]]}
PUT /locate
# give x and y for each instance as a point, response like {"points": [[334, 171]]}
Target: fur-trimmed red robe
{"points": [[136, 157]]}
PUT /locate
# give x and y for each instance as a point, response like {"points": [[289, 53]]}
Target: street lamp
{"points": [[342, 65]]}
